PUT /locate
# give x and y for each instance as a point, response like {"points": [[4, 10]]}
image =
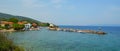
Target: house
{"points": [[21, 23], [6, 23], [51, 25], [2, 23], [27, 26], [34, 25]]}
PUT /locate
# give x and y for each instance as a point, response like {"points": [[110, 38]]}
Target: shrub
{"points": [[17, 26], [7, 45]]}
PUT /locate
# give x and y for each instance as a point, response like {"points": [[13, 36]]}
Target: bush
{"points": [[7, 45], [15, 20], [44, 24], [17, 26]]}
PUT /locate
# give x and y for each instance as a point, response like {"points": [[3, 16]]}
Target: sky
{"points": [[66, 12]]}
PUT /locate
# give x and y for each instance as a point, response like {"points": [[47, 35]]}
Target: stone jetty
{"points": [[74, 30]]}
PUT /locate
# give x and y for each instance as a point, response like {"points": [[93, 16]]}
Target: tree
{"points": [[44, 24], [7, 26], [3, 19], [15, 20], [17, 26]]}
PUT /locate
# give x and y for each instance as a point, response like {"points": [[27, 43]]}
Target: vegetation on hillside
{"points": [[44, 24], [14, 20], [8, 17], [4, 16], [17, 26]]}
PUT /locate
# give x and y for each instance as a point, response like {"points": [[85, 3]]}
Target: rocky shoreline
{"points": [[62, 29], [12, 30], [5, 30]]}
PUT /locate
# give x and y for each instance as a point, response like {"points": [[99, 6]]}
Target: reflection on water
{"points": [[45, 40]]}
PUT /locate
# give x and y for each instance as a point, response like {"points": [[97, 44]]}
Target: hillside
{"points": [[21, 18], [7, 16]]}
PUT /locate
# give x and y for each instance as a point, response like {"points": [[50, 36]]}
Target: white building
{"points": [[51, 25], [27, 26]]}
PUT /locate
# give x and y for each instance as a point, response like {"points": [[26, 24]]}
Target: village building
{"points": [[34, 25], [20, 23], [27, 26], [6, 24], [51, 25]]}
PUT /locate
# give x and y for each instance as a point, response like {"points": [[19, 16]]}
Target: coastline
{"points": [[5, 30]]}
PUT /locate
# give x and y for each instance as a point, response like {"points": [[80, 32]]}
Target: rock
{"points": [[100, 32], [79, 31]]}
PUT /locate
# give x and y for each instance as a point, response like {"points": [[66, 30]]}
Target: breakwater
{"points": [[79, 31]]}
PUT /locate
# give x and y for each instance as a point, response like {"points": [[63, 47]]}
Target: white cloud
{"points": [[71, 7], [116, 8], [57, 4], [112, 11], [32, 3], [57, 1]]}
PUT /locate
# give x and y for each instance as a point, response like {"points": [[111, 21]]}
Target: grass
{"points": [[7, 45]]}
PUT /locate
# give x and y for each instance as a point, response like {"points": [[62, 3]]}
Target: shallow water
{"points": [[45, 40]]}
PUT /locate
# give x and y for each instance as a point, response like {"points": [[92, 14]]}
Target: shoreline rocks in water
{"points": [[79, 31], [9, 30]]}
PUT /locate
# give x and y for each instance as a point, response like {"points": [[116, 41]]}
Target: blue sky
{"points": [[66, 12]]}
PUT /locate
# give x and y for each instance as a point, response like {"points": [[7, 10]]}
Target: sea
{"points": [[46, 40]]}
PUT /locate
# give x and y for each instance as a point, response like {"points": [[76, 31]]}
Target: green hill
{"points": [[4, 16]]}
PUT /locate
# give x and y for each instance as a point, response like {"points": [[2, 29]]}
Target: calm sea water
{"points": [[45, 40]]}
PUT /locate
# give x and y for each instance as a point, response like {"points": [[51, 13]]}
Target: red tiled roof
{"points": [[20, 23], [5, 22]]}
